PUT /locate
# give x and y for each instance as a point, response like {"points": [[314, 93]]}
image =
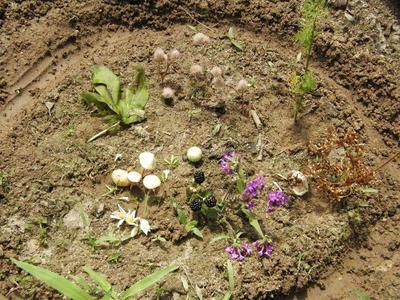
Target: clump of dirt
{"points": [[52, 172]]}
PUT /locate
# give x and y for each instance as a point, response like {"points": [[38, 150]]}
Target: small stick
{"points": [[260, 148], [256, 118], [388, 161], [194, 19]]}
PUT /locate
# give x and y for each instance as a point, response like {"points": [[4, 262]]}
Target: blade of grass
{"points": [[148, 281], [231, 278], [99, 279], [57, 282], [227, 296]]}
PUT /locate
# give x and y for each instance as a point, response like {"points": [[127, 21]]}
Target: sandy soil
{"points": [[47, 50]]}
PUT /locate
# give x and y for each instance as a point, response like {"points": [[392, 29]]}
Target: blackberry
{"points": [[210, 201], [195, 205], [199, 177]]}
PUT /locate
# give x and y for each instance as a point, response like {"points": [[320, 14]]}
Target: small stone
{"points": [[72, 220]]}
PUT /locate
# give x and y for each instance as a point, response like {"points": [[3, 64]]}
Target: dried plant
{"points": [[338, 165]]}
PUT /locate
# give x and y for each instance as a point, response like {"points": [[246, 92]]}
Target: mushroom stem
{"points": [[146, 201]]}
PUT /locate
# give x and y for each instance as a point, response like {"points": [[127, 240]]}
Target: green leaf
{"points": [[148, 281], [219, 237], [99, 278], [64, 286], [253, 221], [227, 296], [181, 216], [231, 278], [234, 42], [190, 225], [106, 84], [360, 295], [136, 97], [197, 232], [369, 190], [82, 282]]}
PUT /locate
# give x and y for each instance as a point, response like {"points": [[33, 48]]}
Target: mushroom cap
{"points": [[159, 55], [242, 85], [151, 182], [168, 93], [134, 176], [216, 71], [120, 177], [147, 160], [174, 54], [194, 154]]}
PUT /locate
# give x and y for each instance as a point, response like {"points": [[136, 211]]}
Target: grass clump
{"points": [[107, 291]]}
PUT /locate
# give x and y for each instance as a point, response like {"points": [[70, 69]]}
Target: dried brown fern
{"points": [[338, 164]]}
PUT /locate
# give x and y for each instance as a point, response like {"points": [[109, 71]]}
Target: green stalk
{"points": [[103, 132]]}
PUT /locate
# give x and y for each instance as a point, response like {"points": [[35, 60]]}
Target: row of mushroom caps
{"points": [[123, 178]]}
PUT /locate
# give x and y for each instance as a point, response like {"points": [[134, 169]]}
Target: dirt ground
{"points": [[49, 171]]}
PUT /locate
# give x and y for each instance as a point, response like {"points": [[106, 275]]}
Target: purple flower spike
{"points": [[227, 162], [263, 249], [253, 187], [276, 199], [250, 205], [239, 253]]}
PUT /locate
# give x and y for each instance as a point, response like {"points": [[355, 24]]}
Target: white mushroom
{"points": [[196, 70], [242, 85], [168, 93], [174, 55], [194, 154], [134, 177], [216, 71], [299, 182], [120, 177], [160, 56], [147, 160], [151, 182], [200, 38]]}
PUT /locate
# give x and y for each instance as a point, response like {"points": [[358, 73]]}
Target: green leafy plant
{"points": [[115, 109], [304, 82], [73, 291], [190, 225]]}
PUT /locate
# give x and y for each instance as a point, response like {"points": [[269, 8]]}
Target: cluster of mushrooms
{"points": [[123, 178]]}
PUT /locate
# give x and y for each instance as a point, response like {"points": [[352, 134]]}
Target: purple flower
{"points": [[239, 253], [229, 162], [253, 187], [278, 198], [250, 205], [263, 249]]}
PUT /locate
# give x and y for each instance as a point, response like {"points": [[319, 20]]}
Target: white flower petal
{"points": [[145, 226], [120, 222], [121, 209]]}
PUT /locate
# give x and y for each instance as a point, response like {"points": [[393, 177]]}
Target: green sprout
{"points": [[75, 292], [305, 83], [4, 183], [173, 162], [115, 109]]}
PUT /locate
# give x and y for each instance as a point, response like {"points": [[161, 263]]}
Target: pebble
{"points": [[72, 220]]}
